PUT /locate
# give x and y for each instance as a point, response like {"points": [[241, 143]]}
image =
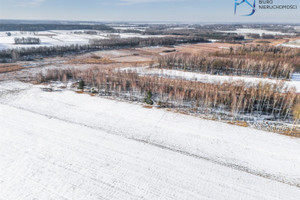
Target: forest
{"points": [[227, 66], [267, 51], [284, 55], [144, 42], [228, 100]]}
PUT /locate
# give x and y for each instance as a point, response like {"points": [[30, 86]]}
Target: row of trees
{"points": [[142, 42], [29, 53], [28, 40], [225, 66], [205, 33], [289, 56], [45, 27], [262, 50], [273, 101]]}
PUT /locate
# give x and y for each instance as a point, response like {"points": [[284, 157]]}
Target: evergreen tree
{"points": [[81, 85], [148, 99]]}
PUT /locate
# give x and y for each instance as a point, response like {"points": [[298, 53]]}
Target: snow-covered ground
{"points": [[129, 28], [59, 37], [292, 44], [296, 77], [245, 31], [48, 38], [207, 78], [64, 145], [132, 35]]}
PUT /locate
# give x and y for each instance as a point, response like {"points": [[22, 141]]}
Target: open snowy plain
{"points": [[62, 145], [60, 38], [245, 31]]}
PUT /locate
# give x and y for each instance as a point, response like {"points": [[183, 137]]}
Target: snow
{"points": [[213, 40], [48, 38], [296, 77], [63, 145], [129, 28], [245, 31], [292, 44], [59, 38], [132, 35]]}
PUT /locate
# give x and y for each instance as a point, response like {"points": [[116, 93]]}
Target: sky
{"points": [[143, 10]]}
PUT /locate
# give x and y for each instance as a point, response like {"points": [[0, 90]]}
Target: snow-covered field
{"points": [[245, 31], [64, 145], [48, 38], [59, 37], [124, 27], [292, 44]]}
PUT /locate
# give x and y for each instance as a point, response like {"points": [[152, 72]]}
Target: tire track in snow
{"points": [[262, 174]]}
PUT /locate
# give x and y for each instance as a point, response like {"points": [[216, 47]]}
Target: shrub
{"points": [[148, 99], [81, 85]]}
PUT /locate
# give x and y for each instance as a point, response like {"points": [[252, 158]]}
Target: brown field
{"points": [[142, 56], [9, 68]]}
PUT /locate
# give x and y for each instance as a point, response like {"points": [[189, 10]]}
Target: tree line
{"points": [[266, 51], [143, 42], [230, 99], [226, 66], [30, 53], [27, 40], [46, 27], [290, 56]]}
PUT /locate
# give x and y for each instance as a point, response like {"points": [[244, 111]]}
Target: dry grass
{"points": [[9, 68], [239, 123], [292, 133], [147, 106], [80, 92], [91, 60], [204, 48]]}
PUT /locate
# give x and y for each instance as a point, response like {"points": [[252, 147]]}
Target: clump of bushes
{"points": [[28, 40]]}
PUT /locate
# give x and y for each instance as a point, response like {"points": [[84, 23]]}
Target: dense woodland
{"points": [[207, 34], [227, 66], [31, 53], [143, 42], [289, 56], [235, 100], [267, 51]]}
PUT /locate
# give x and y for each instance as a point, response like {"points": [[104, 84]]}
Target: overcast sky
{"points": [[140, 10]]}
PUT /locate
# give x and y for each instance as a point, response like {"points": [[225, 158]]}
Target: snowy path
{"points": [[63, 145]]}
